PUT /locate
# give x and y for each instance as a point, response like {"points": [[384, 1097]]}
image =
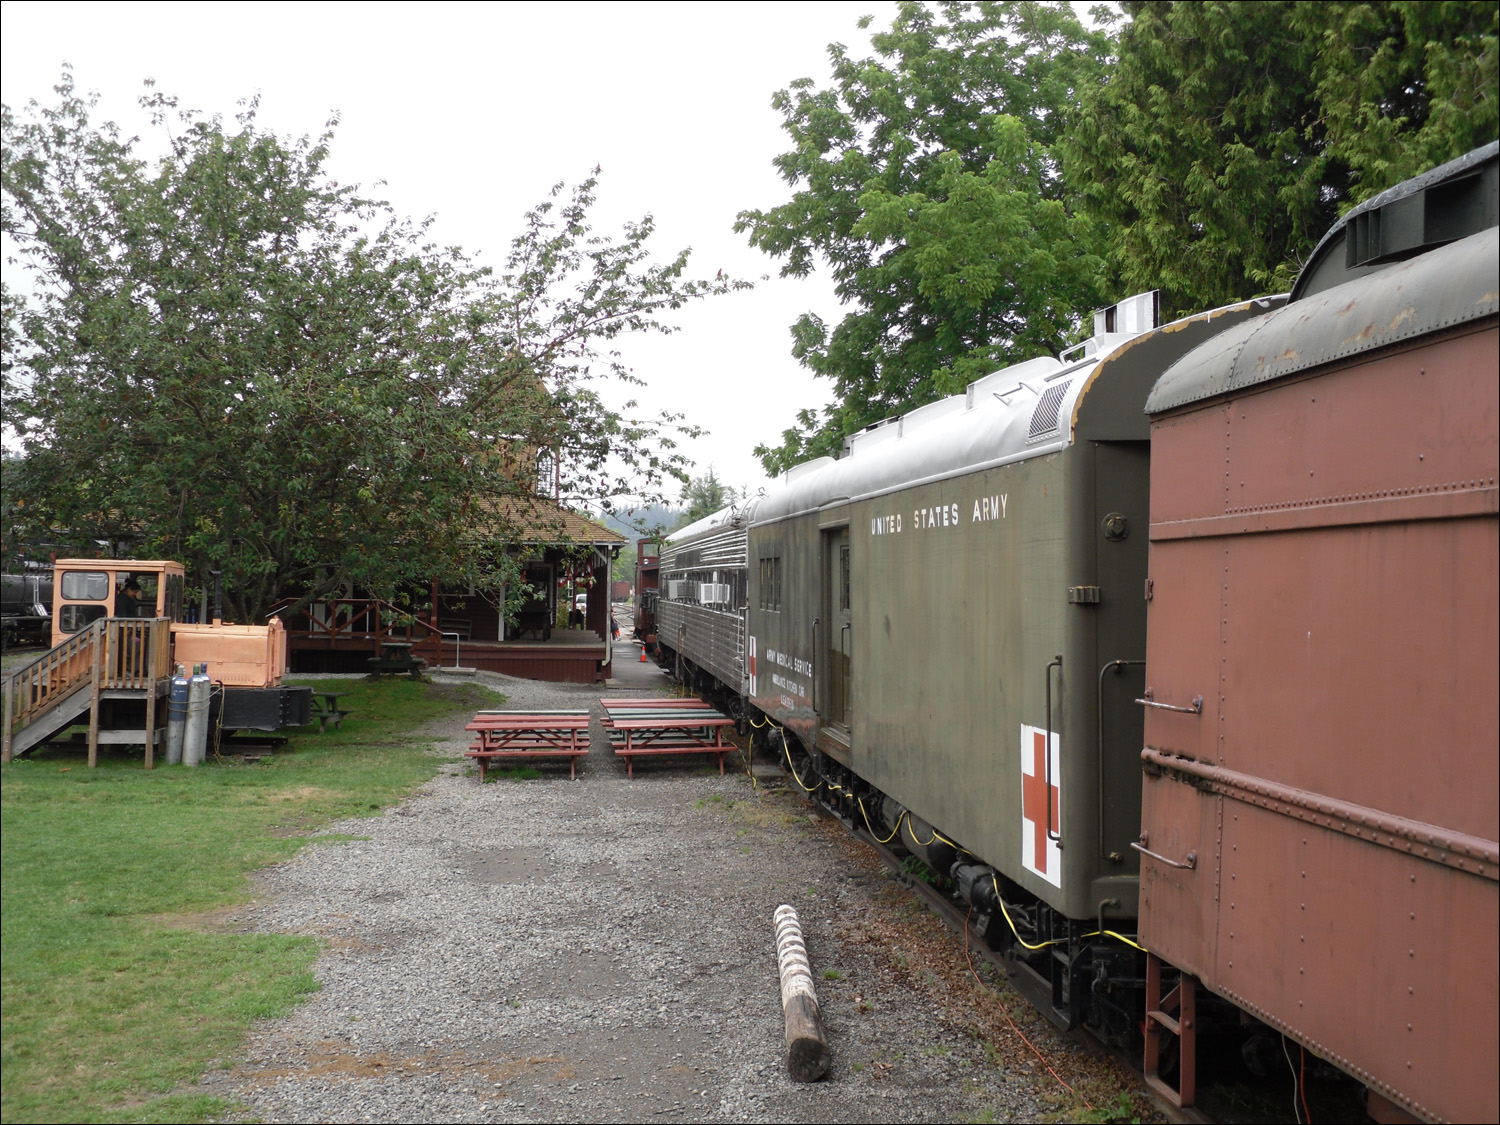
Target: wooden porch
{"points": [[343, 634], [569, 656]]}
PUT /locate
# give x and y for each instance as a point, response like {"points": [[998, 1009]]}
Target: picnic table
{"points": [[326, 709], [395, 657], [658, 725], [515, 735]]}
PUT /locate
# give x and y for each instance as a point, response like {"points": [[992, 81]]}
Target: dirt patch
{"points": [[222, 920], [507, 866]]}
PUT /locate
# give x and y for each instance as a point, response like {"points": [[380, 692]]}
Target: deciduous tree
{"points": [[227, 358], [926, 179]]}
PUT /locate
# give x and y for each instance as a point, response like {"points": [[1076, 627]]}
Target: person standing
{"points": [[128, 601]]}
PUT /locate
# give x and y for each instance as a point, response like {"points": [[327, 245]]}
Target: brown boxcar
{"points": [[1319, 814], [647, 577]]}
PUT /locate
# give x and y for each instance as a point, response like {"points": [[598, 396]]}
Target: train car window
{"points": [[770, 582], [72, 618], [85, 585]]}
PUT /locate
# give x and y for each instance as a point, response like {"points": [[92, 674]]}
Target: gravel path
{"points": [[601, 950]]}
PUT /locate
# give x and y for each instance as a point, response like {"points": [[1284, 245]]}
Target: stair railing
{"points": [[48, 679]]}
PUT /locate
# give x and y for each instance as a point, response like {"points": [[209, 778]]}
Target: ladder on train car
{"points": [[111, 658]]}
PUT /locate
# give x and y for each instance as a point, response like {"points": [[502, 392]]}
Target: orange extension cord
{"points": [[1012, 1022]]}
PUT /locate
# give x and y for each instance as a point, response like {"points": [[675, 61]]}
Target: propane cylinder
{"points": [[177, 708], [195, 733]]}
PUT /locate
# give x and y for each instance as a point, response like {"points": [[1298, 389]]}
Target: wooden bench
{"points": [[659, 726], [521, 735], [326, 709]]}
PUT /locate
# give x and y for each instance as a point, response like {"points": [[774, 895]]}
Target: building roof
{"points": [[539, 520]]}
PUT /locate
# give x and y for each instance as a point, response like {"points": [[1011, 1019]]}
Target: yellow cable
{"points": [[748, 758], [871, 827], [787, 750], [1118, 937], [1045, 944], [936, 835], [1012, 925]]}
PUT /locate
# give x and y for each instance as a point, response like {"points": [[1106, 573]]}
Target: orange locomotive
{"points": [[118, 631]]}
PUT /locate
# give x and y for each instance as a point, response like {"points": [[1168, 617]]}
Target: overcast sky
{"points": [[471, 113]]}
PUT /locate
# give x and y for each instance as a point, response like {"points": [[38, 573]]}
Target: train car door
{"points": [[837, 648], [1121, 530]]}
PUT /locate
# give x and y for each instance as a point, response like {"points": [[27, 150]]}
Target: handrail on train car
{"points": [[1195, 709], [1055, 837], [1118, 666], [817, 663]]}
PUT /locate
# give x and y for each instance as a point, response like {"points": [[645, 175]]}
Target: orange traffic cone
{"points": [[643, 653]]}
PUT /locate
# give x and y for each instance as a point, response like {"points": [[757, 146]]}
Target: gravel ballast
{"points": [[602, 949]]}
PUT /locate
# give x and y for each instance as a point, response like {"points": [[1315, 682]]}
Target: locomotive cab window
{"points": [[85, 586], [72, 618]]}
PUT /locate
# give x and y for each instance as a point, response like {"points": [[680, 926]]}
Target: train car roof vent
{"points": [[1045, 418], [1449, 202], [1410, 224], [1139, 313]]}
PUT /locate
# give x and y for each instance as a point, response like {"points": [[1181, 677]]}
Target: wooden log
{"points": [[807, 1051]]}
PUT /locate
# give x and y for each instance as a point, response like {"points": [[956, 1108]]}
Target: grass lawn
{"points": [[117, 991]]}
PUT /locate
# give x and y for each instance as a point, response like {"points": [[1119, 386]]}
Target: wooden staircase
{"points": [[113, 658]]}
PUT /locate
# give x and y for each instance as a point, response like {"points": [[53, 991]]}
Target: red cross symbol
{"points": [[1036, 794]]}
